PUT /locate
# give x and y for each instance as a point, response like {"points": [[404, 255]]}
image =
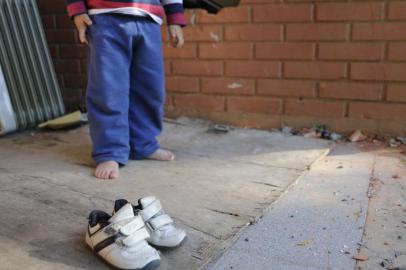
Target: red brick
{"points": [[345, 90], [254, 105], [75, 80], [349, 11], [253, 32], [167, 67], [286, 88], [67, 66], [235, 50], [61, 36], [193, 67], [299, 51], [315, 70], [52, 6], [397, 51], [397, 10], [379, 71], [378, 111], [228, 86], [71, 95], [54, 50], [182, 84], [252, 69], [315, 108], [168, 103], [187, 51], [203, 33], [48, 21], [283, 13], [397, 92], [73, 51], [227, 15], [199, 102], [351, 51], [316, 31], [63, 21], [379, 31]]}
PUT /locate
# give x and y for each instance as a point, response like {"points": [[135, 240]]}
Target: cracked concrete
{"points": [[218, 184]]}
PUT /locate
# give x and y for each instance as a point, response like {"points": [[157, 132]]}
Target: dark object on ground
{"points": [[218, 128], [211, 6]]}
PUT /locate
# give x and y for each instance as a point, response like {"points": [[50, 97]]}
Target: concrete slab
{"points": [[315, 225], [213, 191], [384, 240]]}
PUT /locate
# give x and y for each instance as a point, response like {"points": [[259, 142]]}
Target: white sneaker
{"points": [[160, 226], [121, 239]]}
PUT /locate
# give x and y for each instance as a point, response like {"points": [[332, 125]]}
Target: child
{"points": [[125, 92]]}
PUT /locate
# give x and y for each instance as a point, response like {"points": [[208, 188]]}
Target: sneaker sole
{"points": [[169, 247], [150, 266]]}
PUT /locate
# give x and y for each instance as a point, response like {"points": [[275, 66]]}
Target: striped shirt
{"points": [[173, 9]]}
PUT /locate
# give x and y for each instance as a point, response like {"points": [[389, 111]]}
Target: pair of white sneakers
{"points": [[124, 238]]}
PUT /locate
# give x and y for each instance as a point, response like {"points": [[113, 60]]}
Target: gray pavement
{"points": [[218, 184], [316, 224]]}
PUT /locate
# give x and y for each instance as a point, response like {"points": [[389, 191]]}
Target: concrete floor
{"points": [[217, 186], [351, 202]]}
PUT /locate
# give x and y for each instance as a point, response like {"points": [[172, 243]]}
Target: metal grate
{"points": [[26, 64]]}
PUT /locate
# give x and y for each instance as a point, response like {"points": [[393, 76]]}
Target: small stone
{"points": [[357, 136], [335, 136], [312, 134], [360, 257], [246, 240], [287, 130]]}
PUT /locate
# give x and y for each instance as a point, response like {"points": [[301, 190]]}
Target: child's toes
{"points": [[114, 175]]}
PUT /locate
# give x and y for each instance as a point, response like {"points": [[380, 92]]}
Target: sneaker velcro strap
{"points": [[136, 237], [132, 226], [160, 221], [151, 210]]}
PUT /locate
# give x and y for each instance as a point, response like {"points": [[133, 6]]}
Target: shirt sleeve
{"points": [[174, 12], [76, 7]]}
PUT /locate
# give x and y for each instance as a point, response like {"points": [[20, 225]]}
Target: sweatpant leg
{"points": [[147, 90], [108, 89]]}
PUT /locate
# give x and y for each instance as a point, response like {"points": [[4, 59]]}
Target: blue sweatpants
{"points": [[125, 93]]}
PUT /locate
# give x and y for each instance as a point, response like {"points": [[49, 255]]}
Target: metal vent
{"points": [[29, 76]]}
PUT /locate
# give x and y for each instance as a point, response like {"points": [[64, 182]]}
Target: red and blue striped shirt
{"points": [[173, 9]]}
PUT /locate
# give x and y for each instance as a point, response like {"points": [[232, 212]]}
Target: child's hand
{"points": [[82, 21], [176, 35]]}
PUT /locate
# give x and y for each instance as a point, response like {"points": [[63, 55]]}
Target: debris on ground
{"points": [[304, 243], [70, 120], [357, 136], [321, 131], [360, 257], [394, 143], [219, 129], [287, 130], [312, 134], [402, 139]]}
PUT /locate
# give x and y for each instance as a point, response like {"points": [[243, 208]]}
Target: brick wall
{"points": [[68, 55], [269, 63]]}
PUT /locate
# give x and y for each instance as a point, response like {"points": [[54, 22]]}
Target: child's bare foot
{"points": [[162, 155], [107, 170]]}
